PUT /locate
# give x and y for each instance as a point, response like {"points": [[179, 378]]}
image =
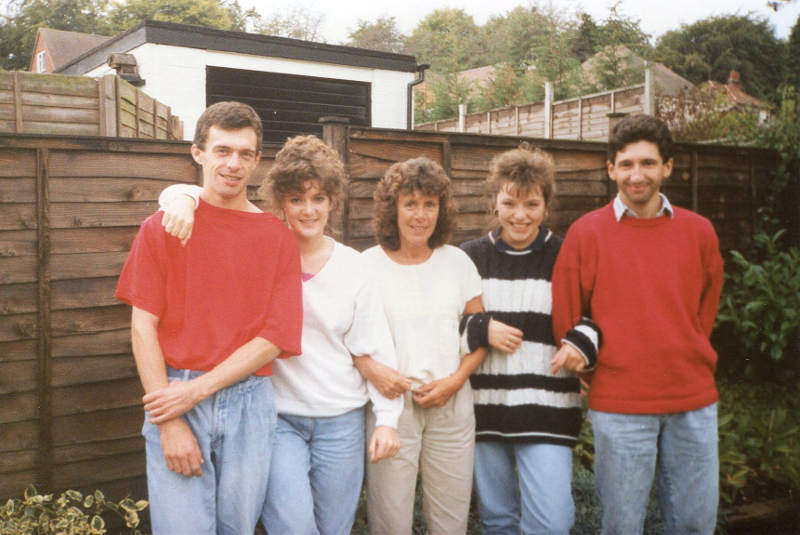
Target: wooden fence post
{"points": [[649, 90], [548, 110], [462, 117], [17, 103], [107, 90], [44, 351], [335, 134]]}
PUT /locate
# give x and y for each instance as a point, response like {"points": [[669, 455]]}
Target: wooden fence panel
{"points": [[70, 410], [56, 104]]}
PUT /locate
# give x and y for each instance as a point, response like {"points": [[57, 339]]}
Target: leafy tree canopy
{"points": [[448, 40], [792, 64], [103, 17], [18, 28], [298, 23], [209, 13], [710, 48], [382, 34]]}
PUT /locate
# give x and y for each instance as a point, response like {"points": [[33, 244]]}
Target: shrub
{"points": [[759, 436], [761, 302], [70, 513]]}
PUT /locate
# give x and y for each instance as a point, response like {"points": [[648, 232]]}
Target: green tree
{"points": [[510, 38], [298, 23], [710, 48], [381, 34], [584, 41], [619, 41], [792, 63], [209, 13], [449, 40], [18, 28]]}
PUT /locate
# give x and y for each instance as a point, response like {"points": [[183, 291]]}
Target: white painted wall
{"points": [[176, 76]]}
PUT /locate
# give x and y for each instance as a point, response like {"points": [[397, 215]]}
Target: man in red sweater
{"points": [[649, 274], [208, 318]]}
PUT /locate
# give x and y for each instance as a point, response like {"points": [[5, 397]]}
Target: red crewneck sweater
{"points": [[652, 286]]}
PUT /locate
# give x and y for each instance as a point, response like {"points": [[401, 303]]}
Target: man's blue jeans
{"points": [[316, 475], [524, 488], [683, 447], [235, 429]]}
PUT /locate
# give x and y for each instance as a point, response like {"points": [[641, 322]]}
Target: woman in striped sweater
{"points": [[527, 401]]}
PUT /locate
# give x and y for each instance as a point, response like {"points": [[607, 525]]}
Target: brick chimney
{"points": [[734, 78]]}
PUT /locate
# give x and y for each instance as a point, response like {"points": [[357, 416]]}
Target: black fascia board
{"points": [[186, 35]]}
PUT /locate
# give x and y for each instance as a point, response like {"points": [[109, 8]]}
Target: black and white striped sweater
{"points": [[516, 396]]}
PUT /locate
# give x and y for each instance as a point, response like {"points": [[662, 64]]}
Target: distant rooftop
{"points": [[64, 46], [189, 36]]}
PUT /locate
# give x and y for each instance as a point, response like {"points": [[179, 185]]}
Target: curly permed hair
{"points": [[303, 159], [417, 174], [525, 167]]}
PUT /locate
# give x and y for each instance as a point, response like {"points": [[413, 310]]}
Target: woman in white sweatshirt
{"points": [[318, 459]]}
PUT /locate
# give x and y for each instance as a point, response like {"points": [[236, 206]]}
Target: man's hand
{"points": [[178, 219], [179, 397], [389, 382], [180, 448], [383, 444], [436, 393], [504, 337], [567, 357]]}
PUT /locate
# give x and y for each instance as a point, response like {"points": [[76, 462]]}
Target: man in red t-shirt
{"points": [[208, 318], [649, 275]]}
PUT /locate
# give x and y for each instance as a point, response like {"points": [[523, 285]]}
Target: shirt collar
{"points": [[620, 209], [536, 245]]}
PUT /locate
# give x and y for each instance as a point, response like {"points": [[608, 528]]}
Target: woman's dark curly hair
{"points": [[303, 159], [417, 174], [525, 167]]}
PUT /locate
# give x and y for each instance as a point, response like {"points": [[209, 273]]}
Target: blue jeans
{"points": [[629, 447], [316, 475], [524, 488], [235, 429]]}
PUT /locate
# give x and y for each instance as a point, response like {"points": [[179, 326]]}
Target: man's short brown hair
{"points": [[640, 127], [417, 174], [228, 115]]}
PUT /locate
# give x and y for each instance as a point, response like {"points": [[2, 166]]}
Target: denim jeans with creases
{"points": [[680, 447], [316, 474], [524, 488], [235, 429]]}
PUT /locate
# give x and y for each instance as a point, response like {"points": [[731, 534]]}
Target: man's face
{"points": [[228, 160], [638, 170]]}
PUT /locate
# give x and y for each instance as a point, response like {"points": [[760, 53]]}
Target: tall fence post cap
{"points": [[334, 119]]}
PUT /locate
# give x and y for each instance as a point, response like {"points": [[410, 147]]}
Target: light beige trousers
{"points": [[439, 443]]}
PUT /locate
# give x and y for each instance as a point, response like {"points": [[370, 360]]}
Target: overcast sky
{"points": [[341, 16]]}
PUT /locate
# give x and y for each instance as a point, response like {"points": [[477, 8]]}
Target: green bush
{"points": [[759, 436], [71, 513], [761, 304]]}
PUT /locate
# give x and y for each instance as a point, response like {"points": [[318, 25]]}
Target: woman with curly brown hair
{"points": [[426, 287], [318, 458]]}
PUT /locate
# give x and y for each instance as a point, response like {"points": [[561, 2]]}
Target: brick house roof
{"points": [[63, 46]]}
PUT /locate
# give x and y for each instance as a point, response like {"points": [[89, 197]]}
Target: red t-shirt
{"points": [[237, 278]]}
